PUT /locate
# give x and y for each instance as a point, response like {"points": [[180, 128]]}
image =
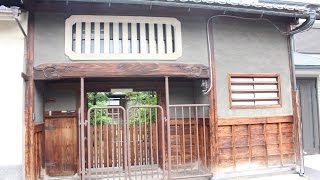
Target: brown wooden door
{"points": [[61, 146]]}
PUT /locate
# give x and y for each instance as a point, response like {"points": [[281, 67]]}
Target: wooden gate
{"points": [[61, 144], [125, 144]]}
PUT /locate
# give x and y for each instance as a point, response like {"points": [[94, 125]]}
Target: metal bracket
{"points": [[85, 123]]}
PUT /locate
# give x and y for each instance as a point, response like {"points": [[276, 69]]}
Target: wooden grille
{"points": [[254, 90], [122, 38]]}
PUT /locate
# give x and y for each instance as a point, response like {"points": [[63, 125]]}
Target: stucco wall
{"points": [[38, 101], [243, 46], [64, 100], [12, 98], [187, 93], [50, 29]]}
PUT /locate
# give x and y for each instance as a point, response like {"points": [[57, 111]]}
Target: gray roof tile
{"points": [[251, 3]]}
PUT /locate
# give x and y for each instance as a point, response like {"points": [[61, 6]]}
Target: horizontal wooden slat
{"points": [[254, 120], [254, 83], [186, 121], [55, 114], [255, 99], [255, 91], [260, 75]]}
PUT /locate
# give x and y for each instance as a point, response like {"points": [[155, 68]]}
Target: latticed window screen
{"points": [[254, 90], [116, 37]]}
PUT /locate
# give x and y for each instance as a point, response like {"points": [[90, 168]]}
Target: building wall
{"points": [[242, 46], [63, 100], [39, 101], [12, 98], [50, 32]]}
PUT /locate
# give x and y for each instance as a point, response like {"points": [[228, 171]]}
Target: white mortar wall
{"points": [[11, 99]]}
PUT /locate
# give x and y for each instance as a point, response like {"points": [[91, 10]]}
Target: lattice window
{"points": [[122, 38], [254, 90]]}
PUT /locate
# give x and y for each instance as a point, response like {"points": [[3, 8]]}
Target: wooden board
{"points": [[61, 151]]}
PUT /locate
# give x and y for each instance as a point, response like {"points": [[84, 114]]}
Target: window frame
{"points": [[73, 55], [255, 75]]}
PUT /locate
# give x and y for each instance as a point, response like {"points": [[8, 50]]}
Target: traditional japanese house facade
{"points": [[222, 74]]}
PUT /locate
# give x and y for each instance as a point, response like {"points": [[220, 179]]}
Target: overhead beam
{"points": [[87, 70]]}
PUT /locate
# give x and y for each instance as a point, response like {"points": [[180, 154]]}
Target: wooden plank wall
{"points": [[185, 139], [39, 148], [251, 143]]}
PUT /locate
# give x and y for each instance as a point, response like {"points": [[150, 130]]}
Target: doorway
{"points": [[309, 114], [125, 135]]}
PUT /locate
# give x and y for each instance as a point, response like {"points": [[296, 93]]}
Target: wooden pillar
{"points": [[214, 154], [297, 124], [168, 124], [30, 170], [82, 124]]}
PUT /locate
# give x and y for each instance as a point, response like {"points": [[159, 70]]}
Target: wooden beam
{"points": [[76, 70], [25, 77]]}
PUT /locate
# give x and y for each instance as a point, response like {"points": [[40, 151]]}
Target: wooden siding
{"points": [[251, 143], [186, 137]]}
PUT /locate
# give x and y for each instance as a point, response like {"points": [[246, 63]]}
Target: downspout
{"points": [[307, 25]]}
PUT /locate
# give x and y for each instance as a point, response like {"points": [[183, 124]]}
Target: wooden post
{"points": [[297, 124], [168, 124], [214, 154], [82, 124], [30, 170]]}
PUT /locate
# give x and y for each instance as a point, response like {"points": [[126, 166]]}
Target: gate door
{"points": [[146, 142], [125, 144]]}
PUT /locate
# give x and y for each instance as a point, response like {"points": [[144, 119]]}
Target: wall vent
{"points": [[90, 37]]}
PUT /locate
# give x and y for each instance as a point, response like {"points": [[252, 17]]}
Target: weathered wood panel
{"points": [[39, 148], [73, 70], [190, 141], [249, 143], [61, 150]]}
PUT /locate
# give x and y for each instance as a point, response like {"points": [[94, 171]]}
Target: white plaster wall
{"points": [[11, 97]]}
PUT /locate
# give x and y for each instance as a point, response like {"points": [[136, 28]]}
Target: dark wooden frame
{"points": [[258, 75]]}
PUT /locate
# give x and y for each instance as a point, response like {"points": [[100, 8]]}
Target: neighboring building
{"points": [[307, 63], [12, 54], [221, 71]]}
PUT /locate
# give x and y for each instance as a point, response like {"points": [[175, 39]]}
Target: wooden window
{"points": [[254, 90], [122, 38]]}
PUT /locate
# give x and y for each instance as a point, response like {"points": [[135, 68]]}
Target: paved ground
{"points": [[312, 166], [312, 171]]}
